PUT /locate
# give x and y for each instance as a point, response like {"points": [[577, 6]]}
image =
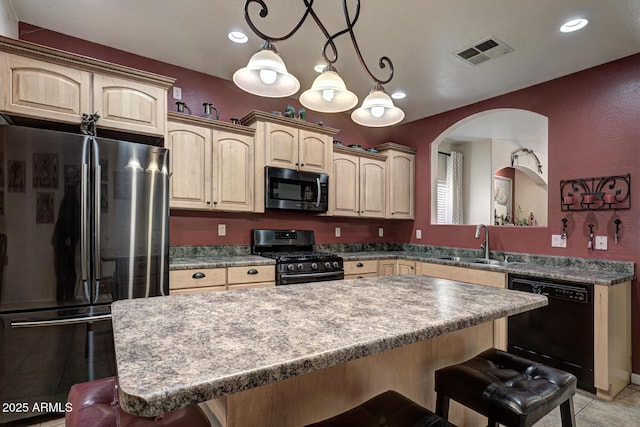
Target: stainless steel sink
{"points": [[475, 260]]}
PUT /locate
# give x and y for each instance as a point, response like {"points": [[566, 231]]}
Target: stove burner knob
{"points": [[300, 266], [336, 264], [291, 267], [327, 264], [314, 266]]}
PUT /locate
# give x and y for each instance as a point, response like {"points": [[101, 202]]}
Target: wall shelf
{"points": [[598, 193]]}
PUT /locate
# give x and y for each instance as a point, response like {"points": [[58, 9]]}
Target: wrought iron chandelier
{"points": [[266, 73]]}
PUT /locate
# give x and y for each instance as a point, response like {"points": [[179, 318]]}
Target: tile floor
{"points": [[624, 411]]}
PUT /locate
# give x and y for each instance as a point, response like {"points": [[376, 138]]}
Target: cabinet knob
{"points": [[301, 164], [208, 202], [215, 203], [359, 265], [252, 271], [198, 275]]}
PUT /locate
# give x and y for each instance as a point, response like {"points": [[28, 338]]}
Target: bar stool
{"points": [[95, 404], [389, 409], [507, 389]]}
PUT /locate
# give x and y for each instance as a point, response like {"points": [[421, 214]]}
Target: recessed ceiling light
{"points": [[574, 25], [398, 95], [320, 68], [238, 37]]}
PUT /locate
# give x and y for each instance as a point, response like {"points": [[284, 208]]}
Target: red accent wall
{"points": [[594, 130]]}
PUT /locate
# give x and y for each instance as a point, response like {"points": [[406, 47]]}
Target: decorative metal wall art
{"points": [[599, 193]]}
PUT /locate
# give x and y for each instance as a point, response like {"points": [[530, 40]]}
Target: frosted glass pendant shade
{"points": [[377, 110], [266, 75], [328, 94]]}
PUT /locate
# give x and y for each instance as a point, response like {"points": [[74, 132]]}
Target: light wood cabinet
{"points": [[251, 277], [494, 279], [406, 267], [358, 184], [197, 280], [212, 164], [360, 269], [400, 180], [389, 267], [49, 84]]}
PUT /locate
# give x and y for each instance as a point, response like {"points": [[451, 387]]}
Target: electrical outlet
{"points": [[222, 229], [177, 93], [558, 242], [380, 232], [601, 243], [337, 231], [418, 234]]}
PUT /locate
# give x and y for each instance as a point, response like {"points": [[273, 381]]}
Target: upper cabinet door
{"points": [[129, 105], [315, 151], [39, 89], [372, 188], [344, 185], [233, 160], [281, 146], [190, 162], [401, 175]]}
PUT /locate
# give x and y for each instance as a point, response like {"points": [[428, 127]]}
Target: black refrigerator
{"points": [[83, 222]]}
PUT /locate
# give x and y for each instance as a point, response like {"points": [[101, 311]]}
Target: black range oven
{"points": [[296, 261]]}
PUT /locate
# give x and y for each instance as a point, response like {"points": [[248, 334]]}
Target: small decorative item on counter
{"points": [[532, 219], [372, 150], [302, 114], [182, 106], [337, 142], [355, 146], [289, 112], [207, 111]]}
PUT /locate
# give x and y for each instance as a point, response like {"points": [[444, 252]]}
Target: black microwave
{"points": [[296, 190]]}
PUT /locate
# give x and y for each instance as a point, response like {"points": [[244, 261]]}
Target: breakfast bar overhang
{"points": [[292, 355]]}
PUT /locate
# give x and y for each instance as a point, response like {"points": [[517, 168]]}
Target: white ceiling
{"points": [[418, 35]]}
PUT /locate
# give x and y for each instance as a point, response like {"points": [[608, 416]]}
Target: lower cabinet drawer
{"points": [[186, 291], [360, 276], [360, 267], [251, 274], [203, 278], [251, 285]]}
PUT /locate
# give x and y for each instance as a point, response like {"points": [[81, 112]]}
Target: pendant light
{"points": [[377, 110], [266, 75], [328, 93]]}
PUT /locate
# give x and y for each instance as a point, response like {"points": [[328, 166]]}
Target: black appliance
{"points": [[296, 261], [85, 221], [559, 334], [296, 190]]}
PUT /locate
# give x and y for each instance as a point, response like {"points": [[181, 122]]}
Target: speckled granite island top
{"points": [[175, 351]]}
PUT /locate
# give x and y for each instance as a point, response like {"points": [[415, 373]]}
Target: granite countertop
{"points": [[217, 261], [175, 351], [580, 271]]}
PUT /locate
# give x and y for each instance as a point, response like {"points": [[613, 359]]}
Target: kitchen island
{"points": [[292, 355]]}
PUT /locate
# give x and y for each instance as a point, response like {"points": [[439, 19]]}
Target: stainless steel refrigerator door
{"points": [[131, 190], [40, 215], [38, 365]]}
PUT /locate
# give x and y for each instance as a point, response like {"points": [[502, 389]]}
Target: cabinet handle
{"points": [[301, 164], [359, 265], [252, 271], [198, 275], [215, 203], [208, 202]]}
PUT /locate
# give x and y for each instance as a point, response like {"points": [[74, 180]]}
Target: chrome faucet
{"points": [[485, 244]]}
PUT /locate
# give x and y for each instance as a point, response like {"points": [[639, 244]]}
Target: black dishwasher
{"points": [[559, 334]]}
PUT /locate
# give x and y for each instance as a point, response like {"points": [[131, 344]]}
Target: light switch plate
{"points": [[418, 234], [558, 242], [177, 93], [337, 231], [380, 232], [601, 243], [222, 229]]}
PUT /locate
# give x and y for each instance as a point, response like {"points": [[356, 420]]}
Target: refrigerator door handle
{"points": [[59, 322], [97, 206], [84, 220]]}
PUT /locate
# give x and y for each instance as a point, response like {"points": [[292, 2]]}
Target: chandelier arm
{"points": [[329, 38], [382, 63], [264, 11]]}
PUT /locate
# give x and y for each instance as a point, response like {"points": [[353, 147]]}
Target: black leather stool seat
{"points": [[95, 403], [507, 389], [389, 409]]}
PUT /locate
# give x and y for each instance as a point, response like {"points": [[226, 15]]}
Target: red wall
{"points": [[593, 131]]}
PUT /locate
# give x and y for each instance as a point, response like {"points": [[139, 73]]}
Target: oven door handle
{"points": [[323, 274]]}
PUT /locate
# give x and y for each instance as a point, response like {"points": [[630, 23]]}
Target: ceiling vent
{"points": [[483, 50]]}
